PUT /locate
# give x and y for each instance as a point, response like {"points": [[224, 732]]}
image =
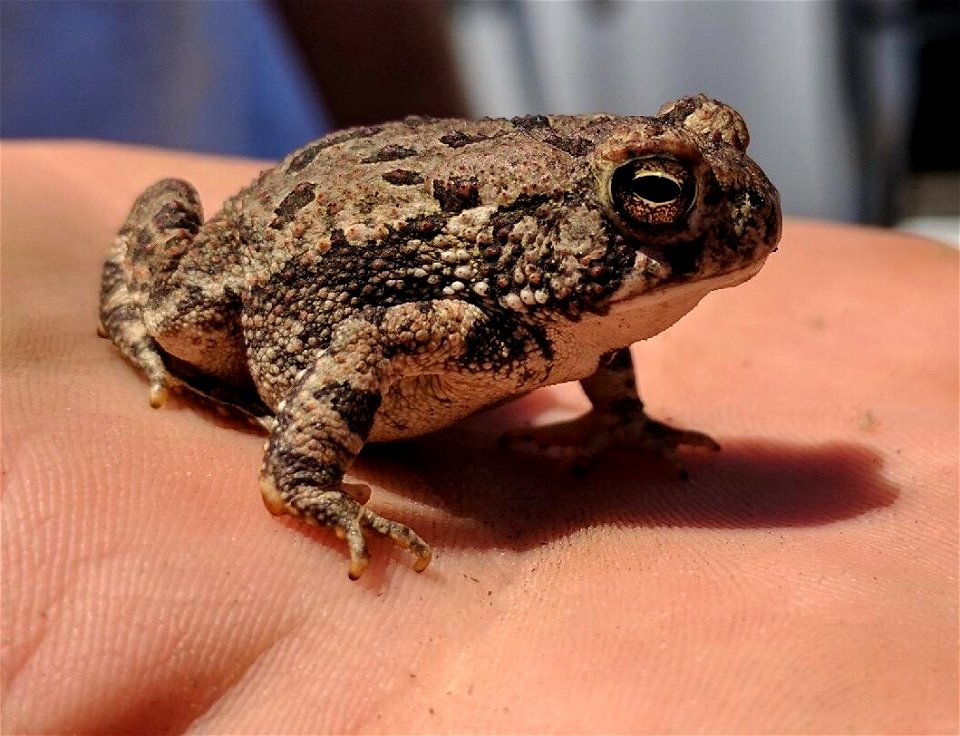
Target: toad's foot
{"points": [[348, 517], [129, 336], [596, 432]]}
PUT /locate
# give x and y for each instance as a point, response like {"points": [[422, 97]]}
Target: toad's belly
{"points": [[417, 405]]}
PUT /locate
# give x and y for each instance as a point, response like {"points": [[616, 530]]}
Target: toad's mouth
{"points": [[655, 277]]}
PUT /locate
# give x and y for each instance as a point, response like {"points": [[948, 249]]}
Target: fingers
{"points": [[401, 535]]}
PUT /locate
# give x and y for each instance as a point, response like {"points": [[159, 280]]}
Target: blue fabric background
{"points": [[203, 76]]}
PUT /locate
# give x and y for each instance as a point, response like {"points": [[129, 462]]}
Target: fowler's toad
{"points": [[383, 282]]}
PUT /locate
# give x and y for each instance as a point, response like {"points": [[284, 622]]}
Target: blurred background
{"points": [[849, 102]]}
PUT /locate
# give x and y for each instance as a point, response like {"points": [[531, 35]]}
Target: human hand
{"points": [[803, 579]]}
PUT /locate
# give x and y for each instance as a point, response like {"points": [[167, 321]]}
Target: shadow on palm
{"points": [[520, 498]]}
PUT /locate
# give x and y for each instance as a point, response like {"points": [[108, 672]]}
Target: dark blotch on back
{"points": [[393, 152], [529, 122], [403, 177], [309, 153], [456, 194], [305, 156], [574, 146], [299, 197], [459, 139]]}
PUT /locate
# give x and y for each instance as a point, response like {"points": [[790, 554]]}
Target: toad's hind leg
{"points": [[169, 297], [160, 228]]}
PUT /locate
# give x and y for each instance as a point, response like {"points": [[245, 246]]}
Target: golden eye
{"points": [[652, 191]]}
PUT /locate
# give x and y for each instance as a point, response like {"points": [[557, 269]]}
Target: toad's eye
{"points": [[652, 191], [655, 188]]}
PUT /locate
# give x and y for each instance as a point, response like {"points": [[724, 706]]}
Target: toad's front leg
{"points": [[320, 427], [327, 414], [617, 419]]}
